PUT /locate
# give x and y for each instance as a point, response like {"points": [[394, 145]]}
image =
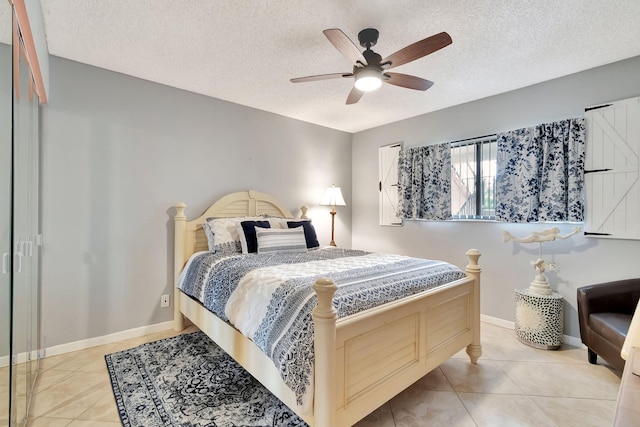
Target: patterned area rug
{"points": [[188, 380]]}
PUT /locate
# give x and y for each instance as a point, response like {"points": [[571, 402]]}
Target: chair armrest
{"points": [[611, 297]]}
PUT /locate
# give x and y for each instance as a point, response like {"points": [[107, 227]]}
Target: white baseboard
{"points": [[20, 358], [106, 339], [496, 321], [88, 343], [567, 339], [573, 341]]}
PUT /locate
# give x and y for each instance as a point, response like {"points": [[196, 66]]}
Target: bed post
{"points": [[180, 221], [474, 350], [324, 324]]}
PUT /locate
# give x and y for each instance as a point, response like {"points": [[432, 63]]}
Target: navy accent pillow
{"points": [[249, 228], [309, 232]]}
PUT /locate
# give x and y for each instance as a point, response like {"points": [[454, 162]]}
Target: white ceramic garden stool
{"points": [[539, 321]]}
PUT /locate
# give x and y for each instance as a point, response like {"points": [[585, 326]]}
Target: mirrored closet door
{"points": [[20, 236], [6, 99], [25, 241]]}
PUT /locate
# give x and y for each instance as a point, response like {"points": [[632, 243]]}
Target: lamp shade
{"points": [[333, 197]]}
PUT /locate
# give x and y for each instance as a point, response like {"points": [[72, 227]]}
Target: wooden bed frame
{"points": [[361, 361]]}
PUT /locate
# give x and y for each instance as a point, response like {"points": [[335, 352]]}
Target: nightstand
{"points": [[539, 321]]}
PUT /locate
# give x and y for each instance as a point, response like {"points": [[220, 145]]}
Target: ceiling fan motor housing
{"points": [[371, 57], [368, 37]]}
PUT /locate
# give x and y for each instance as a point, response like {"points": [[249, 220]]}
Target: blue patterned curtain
{"points": [[540, 173], [424, 174]]}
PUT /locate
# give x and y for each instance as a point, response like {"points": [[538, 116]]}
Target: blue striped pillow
{"points": [[278, 240]]}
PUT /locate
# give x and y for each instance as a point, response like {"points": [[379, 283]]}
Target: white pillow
{"points": [[278, 240], [275, 222], [211, 242], [225, 233], [282, 222]]}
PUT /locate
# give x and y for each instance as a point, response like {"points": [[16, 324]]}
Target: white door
{"points": [[388, 184], [612, 188]]}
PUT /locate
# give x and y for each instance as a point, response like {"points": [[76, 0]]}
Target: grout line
{"points": [[106, 393], [465, 407], [58, 381], [510, 379], [393, 417], [456, 392]]}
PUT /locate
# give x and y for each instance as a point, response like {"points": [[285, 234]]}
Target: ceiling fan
{"points": [[370, 69]]}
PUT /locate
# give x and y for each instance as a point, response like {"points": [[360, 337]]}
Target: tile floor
{"points": [[512, 385]]}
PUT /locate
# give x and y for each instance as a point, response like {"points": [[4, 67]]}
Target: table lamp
{"points": [[332, 197]]}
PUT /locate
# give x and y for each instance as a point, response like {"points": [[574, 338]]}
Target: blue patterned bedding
{"points": [[269, 297]]}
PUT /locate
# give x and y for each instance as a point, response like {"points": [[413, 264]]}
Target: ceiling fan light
{"points": [[368, 80]]}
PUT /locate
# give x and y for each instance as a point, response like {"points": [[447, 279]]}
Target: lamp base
{"points": [[333, 218]]}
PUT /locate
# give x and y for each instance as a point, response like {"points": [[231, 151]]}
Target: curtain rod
{"points": [[460, 141], [491, 135]]}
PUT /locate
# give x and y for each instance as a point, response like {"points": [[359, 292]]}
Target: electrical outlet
{"points": [[164, 301]]}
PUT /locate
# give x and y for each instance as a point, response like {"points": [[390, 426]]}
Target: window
{"points": [[388, 184], [473, 178]]}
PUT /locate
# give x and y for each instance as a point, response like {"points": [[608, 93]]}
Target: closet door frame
{"points": [[6, 229]]}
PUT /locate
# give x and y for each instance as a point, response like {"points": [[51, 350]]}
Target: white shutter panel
{"points": [[388, 184], [612, 186]]}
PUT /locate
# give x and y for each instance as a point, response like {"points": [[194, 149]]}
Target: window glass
{"points": [[473, 179]]}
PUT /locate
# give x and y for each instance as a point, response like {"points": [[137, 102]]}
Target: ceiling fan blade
{"points": [[418, 50], [321, 77], [354, 96], [410, 82], [344, 45]]}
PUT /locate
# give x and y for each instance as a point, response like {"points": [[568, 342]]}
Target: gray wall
{"points": [[119, 152], [580, 260]]}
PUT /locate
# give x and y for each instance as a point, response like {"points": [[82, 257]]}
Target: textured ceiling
{"points": [[245, 51], [5, 22]]}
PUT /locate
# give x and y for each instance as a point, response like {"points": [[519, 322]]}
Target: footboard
{"points": [[374, 355]]}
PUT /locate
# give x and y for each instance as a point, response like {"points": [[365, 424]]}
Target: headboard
{"points": [[189, 235]]}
